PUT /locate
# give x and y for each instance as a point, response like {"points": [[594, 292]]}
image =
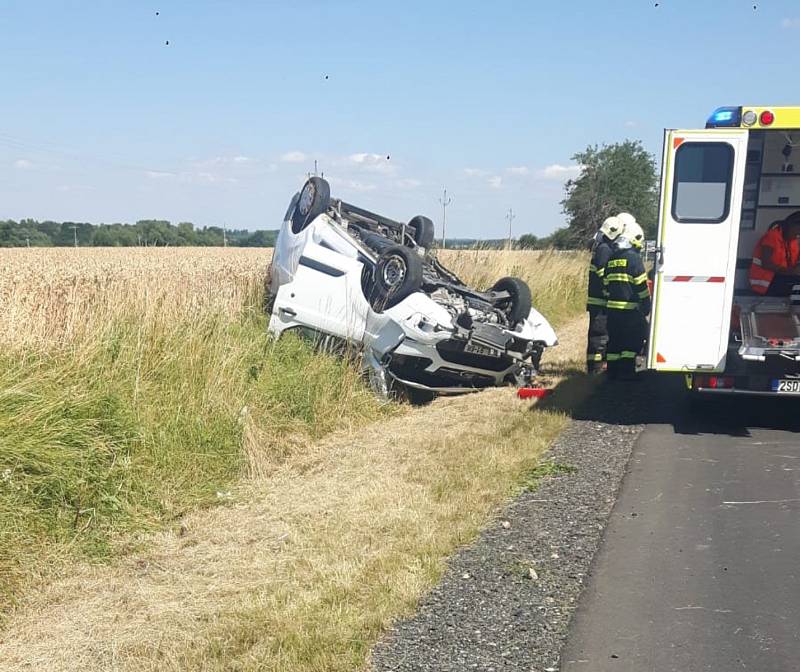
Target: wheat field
{"points": [[53, 296], [56, 296]]}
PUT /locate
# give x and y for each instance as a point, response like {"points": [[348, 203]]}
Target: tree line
{"points": [[144, 233], [614, 178]]}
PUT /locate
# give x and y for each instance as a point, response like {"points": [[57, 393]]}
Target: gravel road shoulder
{"points": [[506, 601]]}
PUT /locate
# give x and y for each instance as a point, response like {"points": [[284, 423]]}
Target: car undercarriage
{"points": [[342, 271]]}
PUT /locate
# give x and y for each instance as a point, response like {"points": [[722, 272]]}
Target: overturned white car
{"points": [[341, 272]]}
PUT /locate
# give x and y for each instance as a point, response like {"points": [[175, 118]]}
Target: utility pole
{"points": [[75, 233], [510, 217], [27, 241], [445, 201], [224, 235]]}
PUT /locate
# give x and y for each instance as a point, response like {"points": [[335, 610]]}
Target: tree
{"points": [[263, 238], [528, 241], [614, 178], [562, 239]]}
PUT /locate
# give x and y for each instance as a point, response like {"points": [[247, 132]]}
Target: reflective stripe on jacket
{"points": [[785, 255], [596, 295], [626, 282]]}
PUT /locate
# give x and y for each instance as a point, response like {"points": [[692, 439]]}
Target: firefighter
{"points": [[774, 270], [627, 302], [596, 300]]}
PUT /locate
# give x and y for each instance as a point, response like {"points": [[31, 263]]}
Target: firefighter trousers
{"points": [[597, 340], [627, 332]]}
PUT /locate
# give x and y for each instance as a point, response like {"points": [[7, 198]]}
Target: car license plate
{"points": [[786, 386], [477, 349]]}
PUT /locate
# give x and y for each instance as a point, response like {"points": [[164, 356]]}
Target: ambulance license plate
{"points": [[786, 386]]}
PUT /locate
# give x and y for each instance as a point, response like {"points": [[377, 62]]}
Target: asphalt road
{"points": [[700, 562]]}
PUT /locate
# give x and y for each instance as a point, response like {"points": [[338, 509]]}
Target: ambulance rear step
{"points": [[769, 329]]}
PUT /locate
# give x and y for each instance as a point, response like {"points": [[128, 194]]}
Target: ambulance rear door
{"points": [[701, 200]]}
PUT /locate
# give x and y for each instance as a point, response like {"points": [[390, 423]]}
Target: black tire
{"points": [[417, 397], [315, 196], [269, 297], [423, 230], [397, 274], [518, 307]]}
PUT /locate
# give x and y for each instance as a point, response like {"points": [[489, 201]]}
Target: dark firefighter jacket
{"points": [[625, 281], [596, 296]]}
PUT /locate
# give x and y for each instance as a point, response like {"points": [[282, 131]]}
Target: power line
{"points": [[510, 217], [71, 154], [445, 201]]}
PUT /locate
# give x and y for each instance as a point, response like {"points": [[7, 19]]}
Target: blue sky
{"points": [[102, 121]]}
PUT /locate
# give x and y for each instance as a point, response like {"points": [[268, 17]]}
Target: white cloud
{"points": [[223, 161], [556, 171], [790, 23], [208, 178], [408, 183], [353, 185], [475, 172], [631, 124], [373, 163], [23, 164], [364, 157], [293, 157], [495, 182], [159, 174], [518, 170], [65, 188]]}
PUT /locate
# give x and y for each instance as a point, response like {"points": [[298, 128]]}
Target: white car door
{"points": [[324, 293], [701, 202]]}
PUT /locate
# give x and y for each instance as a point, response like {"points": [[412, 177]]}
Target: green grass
{"points": [[122, 434], [546, 469]]}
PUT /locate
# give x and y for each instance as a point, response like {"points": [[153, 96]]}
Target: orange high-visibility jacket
{"points": [[784, 255]]}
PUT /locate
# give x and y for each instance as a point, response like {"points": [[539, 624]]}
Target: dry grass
{"points": [[309, 566], [57, 296], [134, 386], [313, 557]]}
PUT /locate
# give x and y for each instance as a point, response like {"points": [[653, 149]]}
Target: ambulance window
{"points": [[702, 183]]}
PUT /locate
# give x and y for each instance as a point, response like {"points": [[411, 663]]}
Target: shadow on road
{"points": [[663, 399]]}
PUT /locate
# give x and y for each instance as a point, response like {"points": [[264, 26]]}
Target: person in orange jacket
{"points": [[776, 260]]}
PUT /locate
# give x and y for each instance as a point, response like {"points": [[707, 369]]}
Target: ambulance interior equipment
{"points": [[722, 188]]}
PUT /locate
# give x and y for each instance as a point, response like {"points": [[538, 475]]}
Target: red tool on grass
{"points": [[532, 392]]}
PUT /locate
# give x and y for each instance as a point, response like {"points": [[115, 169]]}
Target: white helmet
{"points": [[612, 228], [633, 232], [626, 218]]}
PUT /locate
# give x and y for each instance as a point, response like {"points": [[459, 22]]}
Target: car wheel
{"points": [[314, 200], [423, 230], [518, 306], [398, 273], [387, 389]]}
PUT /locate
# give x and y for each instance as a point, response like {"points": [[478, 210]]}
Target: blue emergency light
{"points": [[725, 116]]}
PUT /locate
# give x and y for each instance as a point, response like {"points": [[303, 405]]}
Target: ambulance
{"points": [[722, 188]]}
